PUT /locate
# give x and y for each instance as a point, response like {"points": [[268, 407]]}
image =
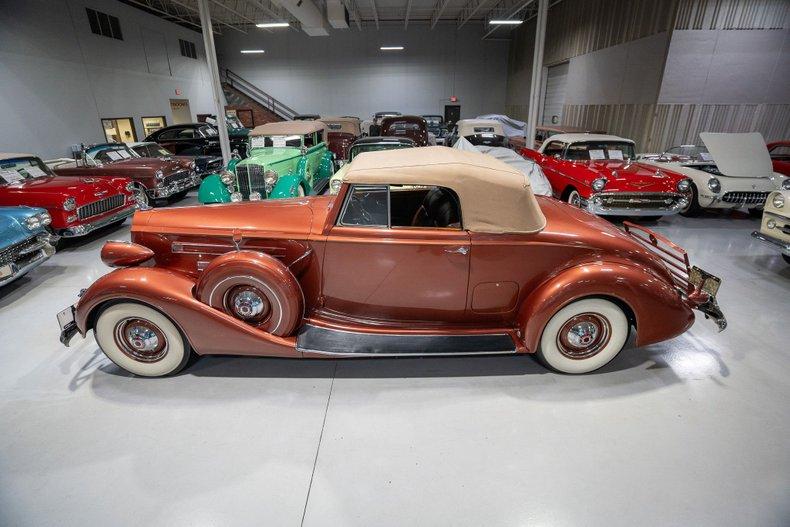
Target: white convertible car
{"points": [[730, 171]]}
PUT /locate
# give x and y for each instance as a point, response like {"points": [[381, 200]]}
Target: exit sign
{"points": [[453, 98], [178, 91]]}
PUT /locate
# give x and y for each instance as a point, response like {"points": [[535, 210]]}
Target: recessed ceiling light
{"points": [[505, 22], [272, 24], [245, 51], [391, 48]]}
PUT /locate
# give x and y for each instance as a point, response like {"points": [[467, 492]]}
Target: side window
{"points": [[186, 133], [169, 134], [309, 140], [366, 206], [319, 137], [554, 148], [426, 207]]}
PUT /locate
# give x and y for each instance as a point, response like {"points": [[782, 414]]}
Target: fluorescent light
{"points": [[272, 24], [245, 51], [391, 48], [505, 22]]}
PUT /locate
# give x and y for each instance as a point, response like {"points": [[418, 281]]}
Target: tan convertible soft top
{"points": [[494, 197], [346, 125], [467, 127], [288, 128], [4, 156]]}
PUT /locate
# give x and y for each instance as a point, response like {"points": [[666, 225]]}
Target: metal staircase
{"points": [[253, 92]]}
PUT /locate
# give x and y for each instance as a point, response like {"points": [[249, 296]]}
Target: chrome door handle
{"points": [[457, 250]]}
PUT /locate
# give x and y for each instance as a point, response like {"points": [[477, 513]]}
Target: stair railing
{"points": [[256, 94]]}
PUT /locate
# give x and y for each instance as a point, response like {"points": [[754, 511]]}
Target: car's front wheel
{"points": [[693, 207], [141, 340], [574, 198], [583, 336]]}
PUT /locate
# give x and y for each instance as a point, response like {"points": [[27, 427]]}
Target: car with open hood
{"points": [[341, 132], [25, 241], [154, 178], [76, 205], [486, 132], [415, 256], [780, 156], [204, 165], [729, 171], [775, 226], [367, 144], [599, 173], [286, 159], [412, 126]]}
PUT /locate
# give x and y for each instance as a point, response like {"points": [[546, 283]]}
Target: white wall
{"points": [[58, 79], [347, 74]]}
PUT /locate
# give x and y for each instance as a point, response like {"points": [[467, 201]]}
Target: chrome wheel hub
{"points": [[584, 336], [248, 304], [140, 340]]}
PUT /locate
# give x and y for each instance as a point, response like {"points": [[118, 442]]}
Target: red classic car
{"points": [[77, 206], [412, 126], [154, 178], [600, 173], [780, 156], [424, 251], [341, 133]]}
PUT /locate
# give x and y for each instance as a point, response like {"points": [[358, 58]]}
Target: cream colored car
{"points": [[775, 227]]}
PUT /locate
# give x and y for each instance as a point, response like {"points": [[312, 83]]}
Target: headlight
{"points": [[335, 184], [778, 201], [33, 222], [598, 184], [130, 186], [70, 204], [270, 178], [235, 197], [226, 177], [684, 185], [786, 184], [45, 218], [341, 163], [159, 174], [714, 185]]}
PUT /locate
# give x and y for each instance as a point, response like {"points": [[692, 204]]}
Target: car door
{"points": [[552, 165], [373, 270]]}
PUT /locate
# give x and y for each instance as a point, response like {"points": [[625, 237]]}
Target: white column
{"points": [[216, 86], [537, 72]]}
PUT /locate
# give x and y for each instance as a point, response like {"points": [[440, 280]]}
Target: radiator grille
{"points": [[747, 198], [100, 207], [647, 200], [177, 176], [11, 253], [250, 178]]}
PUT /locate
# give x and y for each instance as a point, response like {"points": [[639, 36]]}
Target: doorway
{"points": [[119, 129], [554, 98], [452, 114], [181, 112], [152, 124]]}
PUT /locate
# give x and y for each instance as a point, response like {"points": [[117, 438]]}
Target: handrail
{"points": [[258, 95]]}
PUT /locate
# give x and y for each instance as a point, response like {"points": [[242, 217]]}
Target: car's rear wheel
{"points": [[583, 336], [141, 340]]}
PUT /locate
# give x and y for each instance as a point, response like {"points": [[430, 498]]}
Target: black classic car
{"points": [[437, 127], [195, 139], [204, 165]]}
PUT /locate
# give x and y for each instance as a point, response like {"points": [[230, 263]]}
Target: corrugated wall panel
{"points": [[732, 14]]}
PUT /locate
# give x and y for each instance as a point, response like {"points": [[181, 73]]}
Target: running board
{"points": [[315, 339]]}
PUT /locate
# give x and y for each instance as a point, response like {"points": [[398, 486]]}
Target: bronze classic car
{"points": [[412, 126], [424, 251]]}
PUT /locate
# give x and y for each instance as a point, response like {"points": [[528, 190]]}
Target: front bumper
{"points": [[89, 226], [780, 245], [162, 190], [631, 204], [28, 258]]}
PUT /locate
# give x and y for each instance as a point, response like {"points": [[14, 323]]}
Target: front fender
{"points": [[208, 330], [327, 166], [287, 187], [212, 190], [657, 309]]}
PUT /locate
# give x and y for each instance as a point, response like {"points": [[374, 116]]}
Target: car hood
{"points": [[622, 176], [148, 165], [290, 218], [269, 155], [739, 155], [12, 224], [52, 190]]}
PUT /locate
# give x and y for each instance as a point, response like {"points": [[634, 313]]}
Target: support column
{"points": [[216, 86], [537, 71]]}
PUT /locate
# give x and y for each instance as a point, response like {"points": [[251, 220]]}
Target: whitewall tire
{"points": [[583, 336], [141, 340], [574, 198], [300, 191]]}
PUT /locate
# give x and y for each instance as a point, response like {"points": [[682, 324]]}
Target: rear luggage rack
{"points": [[671, 254]]}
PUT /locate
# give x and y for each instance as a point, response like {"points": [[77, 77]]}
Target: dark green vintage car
{"points": [[285, 160]]}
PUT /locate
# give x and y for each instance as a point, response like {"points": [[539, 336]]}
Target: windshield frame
{"points": [[604, 146], [6, 164], [93, 151]]}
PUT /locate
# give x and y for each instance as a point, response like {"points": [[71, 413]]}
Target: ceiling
{"points": [[363, 15]]}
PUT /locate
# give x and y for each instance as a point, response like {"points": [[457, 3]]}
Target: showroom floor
{"points": [[695, 431]]}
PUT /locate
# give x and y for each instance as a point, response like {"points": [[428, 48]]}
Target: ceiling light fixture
{"points": [[272, 24], [251, 51], [505, 22], [391, 48]]}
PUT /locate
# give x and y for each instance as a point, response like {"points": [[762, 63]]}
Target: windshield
{"points": [[208, 131], [16, 170], [433, 120], [360, 149], [402, 127], [279, 141], [600, 150], [234, 123], [110, 153], [692, 152]]}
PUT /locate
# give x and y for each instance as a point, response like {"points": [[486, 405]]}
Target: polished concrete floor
{"points": [[695, 431]]}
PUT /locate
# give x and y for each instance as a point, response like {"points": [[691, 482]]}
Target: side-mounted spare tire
{"points": [[255, 288]]}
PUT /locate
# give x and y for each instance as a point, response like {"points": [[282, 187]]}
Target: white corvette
{"points": [[730, 171]]}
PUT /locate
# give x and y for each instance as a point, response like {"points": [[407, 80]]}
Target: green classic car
{"points": [[284, 161]]}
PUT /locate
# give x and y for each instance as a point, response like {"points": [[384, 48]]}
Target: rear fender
{"points": [[212, 190], [208, 330], [655, 306]]}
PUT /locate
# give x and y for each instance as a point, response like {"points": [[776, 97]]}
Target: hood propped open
{"points": [[739, 155]]}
